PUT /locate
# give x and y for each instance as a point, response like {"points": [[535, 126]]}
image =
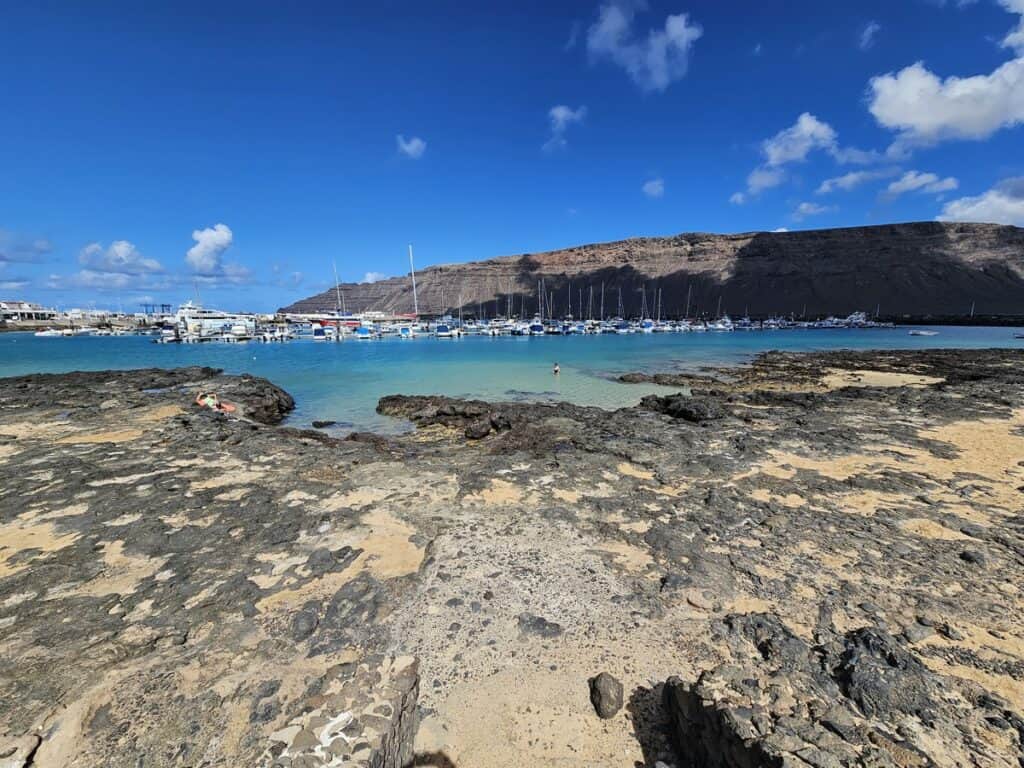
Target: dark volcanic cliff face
{"points": [[918, 268]]}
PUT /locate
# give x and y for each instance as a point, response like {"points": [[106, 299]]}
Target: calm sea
{"points": [[343, 381]]}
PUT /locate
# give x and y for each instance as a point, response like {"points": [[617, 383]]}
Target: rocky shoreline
{"points": [[815, 559]]}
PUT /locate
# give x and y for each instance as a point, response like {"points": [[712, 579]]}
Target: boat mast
{"points": [[689, 289], [337, 288], [602, 301], [412, 270]]}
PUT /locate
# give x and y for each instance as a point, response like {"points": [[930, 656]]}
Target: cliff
{"points": [[915, 268]]}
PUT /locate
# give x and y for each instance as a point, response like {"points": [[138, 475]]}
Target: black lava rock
{"points": [[605, 695], [529, 624]]}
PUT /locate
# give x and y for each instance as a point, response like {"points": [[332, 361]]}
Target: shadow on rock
{"points": [[437, 759], [651, 725]]}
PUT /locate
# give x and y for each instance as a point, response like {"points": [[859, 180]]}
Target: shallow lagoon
{"points": [[343, 381]]}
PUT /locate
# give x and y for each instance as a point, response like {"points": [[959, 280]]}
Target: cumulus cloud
{"points": [[811, 209], [653, 61], [925, 109], [780, 229], [854, 179], [1003, 204], [205, 256], [561, 117], [793, 145], [654, 188], [414, 147], [120, 256], [915, 181], [867, 35], [374, 277]]}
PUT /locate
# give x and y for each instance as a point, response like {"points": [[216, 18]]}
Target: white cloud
{"points": [[655, 60], [915, 181], [849, 181], [204, 257], [764, 178], [561, 118], [1003, 204], [13, 285], [811, 209], [737, 198], [780, 229], [119, 257], [374, 277], [1015, 38], [757, 50], [654, 188], [414, 147], [867, 35], [925, 109], [793, 145]]}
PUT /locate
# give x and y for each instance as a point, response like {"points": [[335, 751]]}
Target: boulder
{"points": [[605, 695]]}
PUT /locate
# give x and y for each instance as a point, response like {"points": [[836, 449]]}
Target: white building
{"points": [[14, 311]]}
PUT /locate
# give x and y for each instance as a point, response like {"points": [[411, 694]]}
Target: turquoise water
{"points": [[344, 381]]}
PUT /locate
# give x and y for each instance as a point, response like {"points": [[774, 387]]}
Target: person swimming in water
{"points": [[556, 370]]}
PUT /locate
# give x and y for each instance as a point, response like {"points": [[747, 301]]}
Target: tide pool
{"points": [[343, 381]]}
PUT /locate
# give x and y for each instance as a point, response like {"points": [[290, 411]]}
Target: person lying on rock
{"points": [[211, 401]]}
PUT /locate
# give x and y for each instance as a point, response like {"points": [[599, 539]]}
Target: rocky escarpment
{"points": [[818, 557], [900, 269]]}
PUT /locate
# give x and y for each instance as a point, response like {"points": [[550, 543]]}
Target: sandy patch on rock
{"points": [[929, 529], [837, 378], [122, 574], [628, 557], [1010, 689], [18, 536], [158, 413], [520, 717], [499, 492], [791, 500], [387, 553], [570, 497], [631, 470], [220, 478]]}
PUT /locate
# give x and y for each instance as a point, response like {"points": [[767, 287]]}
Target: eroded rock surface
{"points": [[181, 587], [858, 699]]}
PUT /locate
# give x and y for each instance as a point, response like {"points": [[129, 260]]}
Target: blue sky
{"points": [[238, 149]]}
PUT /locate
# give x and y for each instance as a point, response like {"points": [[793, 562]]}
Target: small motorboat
{"points": [[923, 333]]}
